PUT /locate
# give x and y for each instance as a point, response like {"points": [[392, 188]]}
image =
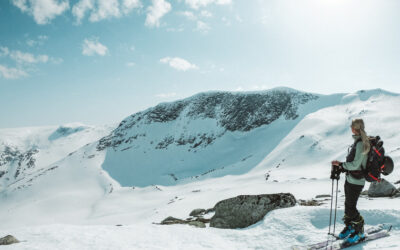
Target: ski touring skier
{"points": [[353, 231]]}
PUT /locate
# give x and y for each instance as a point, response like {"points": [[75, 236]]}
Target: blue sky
{"points": [[98, 61]]}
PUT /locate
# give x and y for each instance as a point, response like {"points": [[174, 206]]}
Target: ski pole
{"points": [[334, 223], [330, 216]]}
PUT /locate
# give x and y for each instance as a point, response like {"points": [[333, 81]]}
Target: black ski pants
{"points": [[352, 192]]}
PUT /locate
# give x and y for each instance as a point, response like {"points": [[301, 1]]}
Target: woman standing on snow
{"points": [[355, 161]]}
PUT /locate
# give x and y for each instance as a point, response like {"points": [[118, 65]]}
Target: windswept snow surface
{"points": [[78, 205]]}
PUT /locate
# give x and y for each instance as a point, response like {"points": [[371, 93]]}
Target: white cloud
{"points": [[226, 21], [21, 57], [24, 61], [79, 9], [37, 42], [129, 5], [130, 64], [205, 13], [195, 4], [103, 9], [202, 26], [156, 11], [56, 60], [178, 63], [223, 2], [92, 47], [21, 4], [166, 95], [27, 58], [4, 51], [178, 29], [12, 73], [189, 15], [31, 42], [43, 11], [239, 19]]}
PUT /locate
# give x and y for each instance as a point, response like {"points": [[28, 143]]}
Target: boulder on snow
{"points": [[245, 210], [197, 224], [204, 220], [8, 240], [323, 196], [172, 220], [197, 212], [382, 189], [311, 202]]}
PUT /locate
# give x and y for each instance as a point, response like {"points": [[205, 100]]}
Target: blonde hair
{"points": [[358, 125]]}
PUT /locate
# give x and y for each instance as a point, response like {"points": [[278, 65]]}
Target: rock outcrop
{"points": [[196, 219], [8, 240], [245, 210], [231, 111], [382, 189]]}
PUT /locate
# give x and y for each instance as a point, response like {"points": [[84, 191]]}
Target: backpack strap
{"points": [[357, 174], [352, 154]]}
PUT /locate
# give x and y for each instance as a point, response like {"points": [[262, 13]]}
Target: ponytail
{"points": [[358, 125]]}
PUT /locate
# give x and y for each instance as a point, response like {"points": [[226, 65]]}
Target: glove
{"points": [[339, 167]]}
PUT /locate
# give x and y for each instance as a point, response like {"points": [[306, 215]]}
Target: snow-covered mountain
{"points": [[207, 135], [172, 158], [28, 151]]}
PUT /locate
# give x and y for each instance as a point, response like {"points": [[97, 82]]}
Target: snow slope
{"points": [[207, 135], [77, 204], [29, 151]]}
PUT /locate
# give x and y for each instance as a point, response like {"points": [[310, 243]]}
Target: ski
{"points": [[324, 244], [341, 245]]}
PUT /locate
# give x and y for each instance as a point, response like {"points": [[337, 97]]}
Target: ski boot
{"points": [[358, 234], [347, 230]]}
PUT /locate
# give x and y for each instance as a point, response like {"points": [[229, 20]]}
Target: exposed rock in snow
{"points": [[232, 111], [245, 210], [197, 212], [209, 135], [311, 203], [382, 189], [323, 196], [197, 222], [67, 196], [8, 240]]}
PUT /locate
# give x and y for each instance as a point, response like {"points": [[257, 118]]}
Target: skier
{"points": [[357, 157]]}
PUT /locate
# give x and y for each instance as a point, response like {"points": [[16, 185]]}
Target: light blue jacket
{"points": [[359, 159]]}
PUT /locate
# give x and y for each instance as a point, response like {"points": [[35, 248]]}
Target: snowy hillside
{"points": [[27, 151], [208, 135], [175, 157]]}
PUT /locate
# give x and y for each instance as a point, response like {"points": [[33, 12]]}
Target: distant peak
{"points": [[66, 130]]}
